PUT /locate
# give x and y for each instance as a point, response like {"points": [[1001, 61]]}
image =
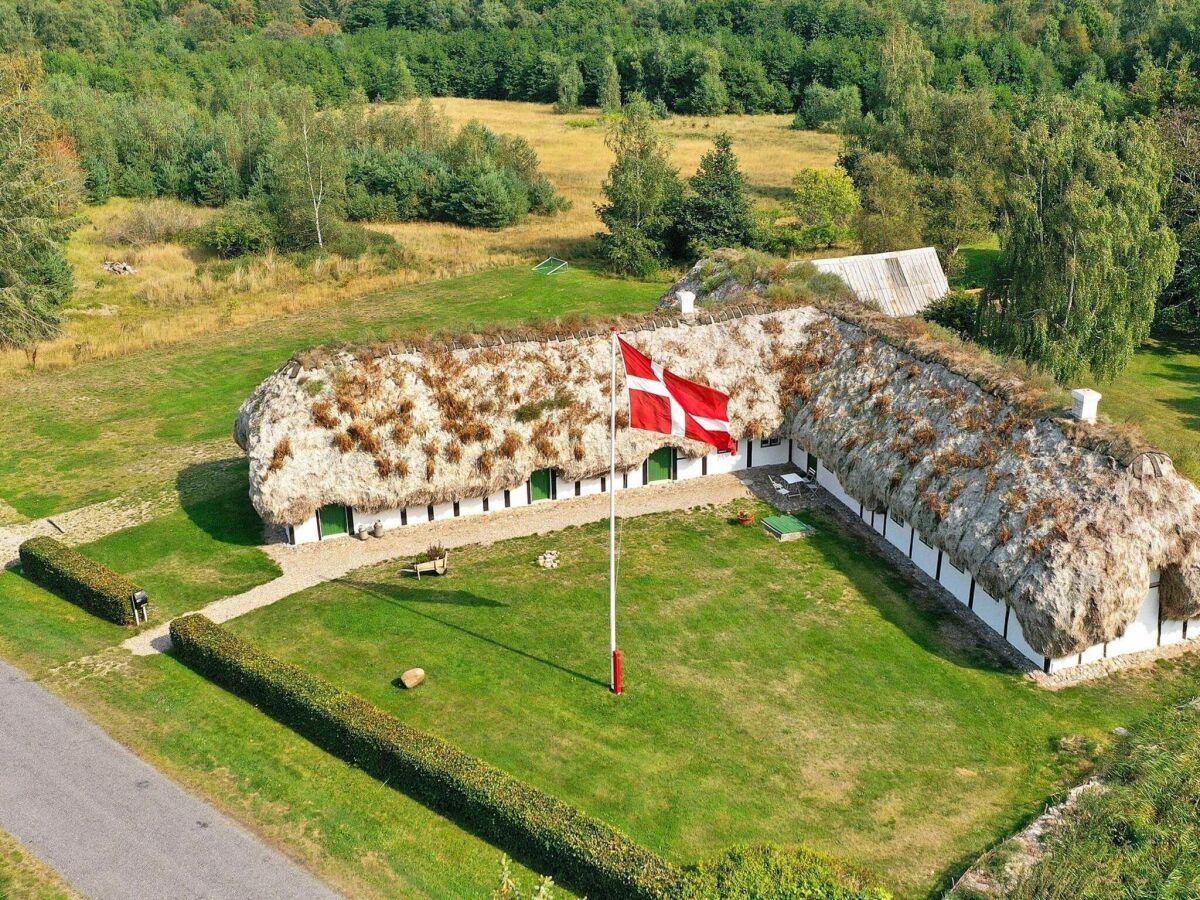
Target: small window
{"points": [[770, 442]]}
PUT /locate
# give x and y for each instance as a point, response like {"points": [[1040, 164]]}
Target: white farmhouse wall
{"points": [[1016, 637], [878, 520], [417, 514], [899, 534], [442, 511], [306, 532], [563, 488], [770, 456], [924, 556], [590, 486], [389, 518], [472, 506], [688, 468], [519, 496], [1170, 631], [955, 580], [633, 478], [1142, 632], [989, 609], [1092, 654], [496, 501], [721, 463]]}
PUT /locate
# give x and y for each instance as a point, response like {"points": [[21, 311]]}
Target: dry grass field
{"points": [[174, 295], [573, 155]]}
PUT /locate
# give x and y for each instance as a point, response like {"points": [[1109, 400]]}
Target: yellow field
{"points": [[170, 299], [576, 160]]}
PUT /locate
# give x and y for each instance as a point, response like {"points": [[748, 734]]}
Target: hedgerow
{"points": [[528, 823], [83, 581]]}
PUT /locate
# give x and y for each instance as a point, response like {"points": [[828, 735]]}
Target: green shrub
{"points": [[239, 229], [74, 577], [957, 310], [580, 850], [776, 873]]}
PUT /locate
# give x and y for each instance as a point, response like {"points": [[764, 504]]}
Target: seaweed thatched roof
{"points": [[1063, 520]]}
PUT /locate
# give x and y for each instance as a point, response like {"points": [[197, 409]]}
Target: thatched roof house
{"points": [[1061, 522]]}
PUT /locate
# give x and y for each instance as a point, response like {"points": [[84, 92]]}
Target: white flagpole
{"points": [[615, 671]]}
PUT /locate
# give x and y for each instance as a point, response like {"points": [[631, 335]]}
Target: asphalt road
{"points": [[114, 826]]}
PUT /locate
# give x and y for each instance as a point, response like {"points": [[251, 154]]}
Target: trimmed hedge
{"points": [[74, 577], [521, 819]]}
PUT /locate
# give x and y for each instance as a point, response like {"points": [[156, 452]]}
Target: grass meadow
{"points": [[793, 693], [178, 293]]}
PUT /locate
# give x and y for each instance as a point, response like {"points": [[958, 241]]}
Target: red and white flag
{"points": [[659, 400]]}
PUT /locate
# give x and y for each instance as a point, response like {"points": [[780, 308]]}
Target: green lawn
{"points": [[1160, 391], [90, 433], [362, 836], [775, 692]]}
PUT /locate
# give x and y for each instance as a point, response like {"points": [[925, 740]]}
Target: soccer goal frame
{"points": [[550, 266]]}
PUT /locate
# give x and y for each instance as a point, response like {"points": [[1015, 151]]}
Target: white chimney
{"points": [[687, 302], [1084, 402]]}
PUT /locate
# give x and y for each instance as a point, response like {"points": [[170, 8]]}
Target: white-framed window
{"points": [[770, 442]]}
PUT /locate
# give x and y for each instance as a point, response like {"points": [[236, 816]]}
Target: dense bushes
{"points": [[240, 228], [74, 577], [580, 850], [406, 166], [777, 873]]}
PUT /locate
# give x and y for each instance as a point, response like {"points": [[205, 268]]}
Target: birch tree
{"points": [[1085, 249], [310, 165]]}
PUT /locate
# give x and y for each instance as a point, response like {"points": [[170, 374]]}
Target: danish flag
{"points": [[659, 400]]}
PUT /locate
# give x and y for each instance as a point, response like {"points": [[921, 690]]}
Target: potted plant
{"points": [[745, 517]]}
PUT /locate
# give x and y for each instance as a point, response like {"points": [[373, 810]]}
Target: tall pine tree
{"points": [[718, 212], [641, 193], [40, 187]]}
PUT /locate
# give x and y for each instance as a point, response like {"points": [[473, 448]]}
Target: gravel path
{"points": [[311, 564], [114, 827]]}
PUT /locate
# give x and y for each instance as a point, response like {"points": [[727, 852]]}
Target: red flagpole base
{"points": [[616, 672]]}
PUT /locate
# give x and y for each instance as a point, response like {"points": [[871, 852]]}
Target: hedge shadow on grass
{"points": [[401, 597]]}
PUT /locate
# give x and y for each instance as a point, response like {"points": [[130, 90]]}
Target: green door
{"points": [[333, 520], [658, 467], [539, 484]]}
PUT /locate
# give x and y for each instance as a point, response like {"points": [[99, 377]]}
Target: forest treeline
{"points": [[702, 58]]}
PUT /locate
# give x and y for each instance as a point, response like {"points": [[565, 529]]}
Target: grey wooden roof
{"points": [[900, 283]]}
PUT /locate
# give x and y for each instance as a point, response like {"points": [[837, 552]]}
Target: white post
{"points": [[615, 666]]}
